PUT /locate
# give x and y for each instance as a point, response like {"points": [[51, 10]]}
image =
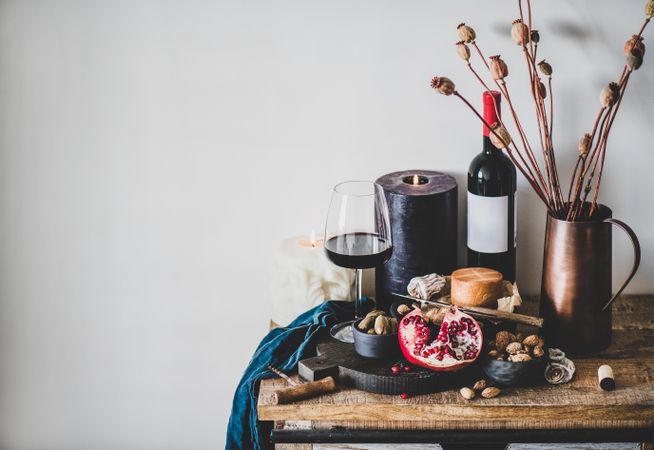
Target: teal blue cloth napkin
{"points": [[281, 348]]}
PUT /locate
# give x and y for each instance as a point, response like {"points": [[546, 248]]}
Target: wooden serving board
{"points": [[341, 361]]}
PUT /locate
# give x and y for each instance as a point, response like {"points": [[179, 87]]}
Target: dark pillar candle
{"points": [[423, 220]]}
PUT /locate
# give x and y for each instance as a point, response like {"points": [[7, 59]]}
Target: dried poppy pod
{"points": [[584, 144], [542, 90], [463, 50], [649, 9], [634, 46], [466, 33], [498, 68], [519, 32], [499, 136], [634, 61], [545, 68], [534, 36], [443, 85], [609, 95]]}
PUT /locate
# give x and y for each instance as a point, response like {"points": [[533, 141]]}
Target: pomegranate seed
{"points": [[406, 368], [395, 368], [404, 395]]}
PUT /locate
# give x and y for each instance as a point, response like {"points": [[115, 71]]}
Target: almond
{"points": [[467, 393], [490, 392], [480, 385]]}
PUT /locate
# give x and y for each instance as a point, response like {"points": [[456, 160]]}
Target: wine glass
{"points": [[358, 232]]}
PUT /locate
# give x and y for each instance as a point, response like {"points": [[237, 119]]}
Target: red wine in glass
{"points": [[358, 232], [358, 250]]}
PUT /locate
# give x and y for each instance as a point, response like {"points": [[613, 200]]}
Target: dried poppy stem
{"points": [[503, 88], [499, 117], [546, 182], [592, 161], [582, 172], [580, 158], [501, 85], [474, 44], [510, 153], [588, 161], [606, 137], [549, 83]]}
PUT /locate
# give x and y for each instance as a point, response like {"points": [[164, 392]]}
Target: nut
{"points": [[490, 392], [393, 323], [382, 326], [514, 348], [403, 309], [502, 339], [371, 331], [366, 323], [467, 393], [538, 351], [533, 341], [493, 353], [435, 315], [520, 357], [500, 358], [480, 385]]}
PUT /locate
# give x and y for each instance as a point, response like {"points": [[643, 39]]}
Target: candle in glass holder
{"points": [[302, 277]]}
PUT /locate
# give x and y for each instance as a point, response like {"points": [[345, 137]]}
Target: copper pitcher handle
{"points": [[634, 242]]}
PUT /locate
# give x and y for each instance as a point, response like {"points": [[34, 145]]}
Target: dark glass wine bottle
{"points": [[492, 203]]}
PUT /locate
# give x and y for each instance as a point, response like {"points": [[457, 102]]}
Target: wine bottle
{"points": [[492, 202]]}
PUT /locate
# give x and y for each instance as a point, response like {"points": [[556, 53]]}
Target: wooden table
{"points": [[576, 412]]}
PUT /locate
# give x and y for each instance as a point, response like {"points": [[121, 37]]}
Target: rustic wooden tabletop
{"points": [[579, 405]]}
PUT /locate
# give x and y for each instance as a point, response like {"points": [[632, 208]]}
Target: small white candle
{"points": [[302, 277]]}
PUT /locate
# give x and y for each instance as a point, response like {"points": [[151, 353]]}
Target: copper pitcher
{"points": [[576, 287]]}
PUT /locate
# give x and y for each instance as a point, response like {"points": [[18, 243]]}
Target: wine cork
{"points": [[605, 377], [304, 391]]}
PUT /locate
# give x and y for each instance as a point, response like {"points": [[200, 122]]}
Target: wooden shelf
{"points": [[580, 404]]}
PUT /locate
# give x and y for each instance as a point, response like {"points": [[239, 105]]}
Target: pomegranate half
{"points": [[450, 346]]}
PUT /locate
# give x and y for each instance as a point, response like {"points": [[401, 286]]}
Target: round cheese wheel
{"points": [[476, 286]]}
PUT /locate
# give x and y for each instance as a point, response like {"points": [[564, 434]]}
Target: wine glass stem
{"points": [[358, 294]]}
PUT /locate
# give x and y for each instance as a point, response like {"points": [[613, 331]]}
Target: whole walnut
{"points": [[534, 341], [520, 357], [502, 339], [514, 348]]}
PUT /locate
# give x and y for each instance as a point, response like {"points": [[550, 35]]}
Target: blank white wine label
{"points": [[488, 223]]}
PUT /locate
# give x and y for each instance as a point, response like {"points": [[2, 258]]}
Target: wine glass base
{"points": [[343, 332]]}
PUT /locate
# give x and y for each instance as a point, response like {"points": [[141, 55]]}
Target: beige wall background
{"points": [[152, 153]]}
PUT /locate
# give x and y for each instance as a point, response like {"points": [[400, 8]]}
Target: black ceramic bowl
{"points": [[373, 345], [507, 373]]}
